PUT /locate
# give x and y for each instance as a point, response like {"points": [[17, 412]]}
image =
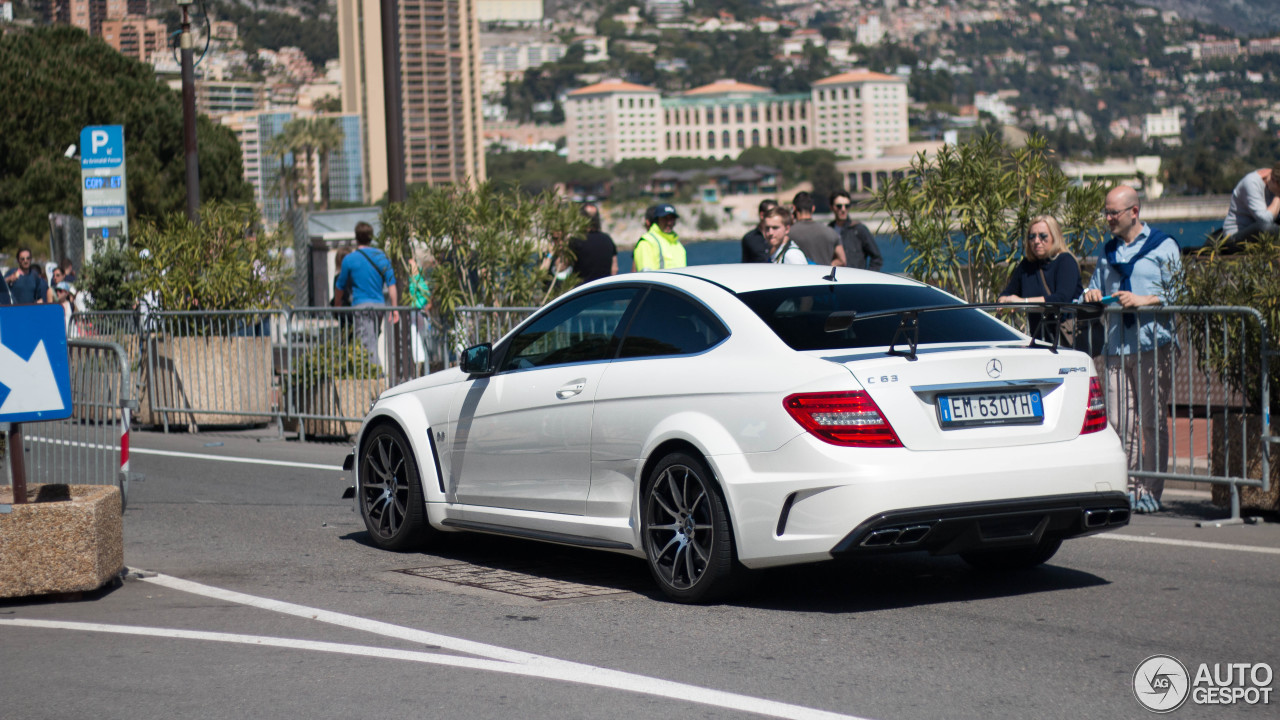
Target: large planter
{"points": [[1230, 456], [63, 539], [206, 381], [345, 397]]}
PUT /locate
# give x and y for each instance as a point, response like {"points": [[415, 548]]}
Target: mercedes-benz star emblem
{"points": [[994, 368]]}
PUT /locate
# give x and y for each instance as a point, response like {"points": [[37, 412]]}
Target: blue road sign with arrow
{"points": [[35, 378]]}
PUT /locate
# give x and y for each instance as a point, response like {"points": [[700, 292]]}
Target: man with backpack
{"points": [[362, 278]]}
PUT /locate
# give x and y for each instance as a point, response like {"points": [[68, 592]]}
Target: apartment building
{"points": [[440, 86], [135, 36], [856, 114]]}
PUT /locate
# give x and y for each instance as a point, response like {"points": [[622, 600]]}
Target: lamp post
{"points": [[186, 43]]}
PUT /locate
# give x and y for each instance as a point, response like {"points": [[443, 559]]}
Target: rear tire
{"points": [[389, 491], [1007, 559], [684, 524]]}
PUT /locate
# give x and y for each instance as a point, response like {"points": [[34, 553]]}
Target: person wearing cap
{"points": [[659, 248], [66, 297]]}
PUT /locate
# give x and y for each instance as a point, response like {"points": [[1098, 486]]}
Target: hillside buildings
{"points": [[440, 80], [854, 114]]}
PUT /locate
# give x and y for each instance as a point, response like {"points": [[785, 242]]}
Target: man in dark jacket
{"points": [[595, 256], [755, 249], [860, 249]]}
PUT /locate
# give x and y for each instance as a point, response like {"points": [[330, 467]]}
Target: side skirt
{"points": [[543, 535]]}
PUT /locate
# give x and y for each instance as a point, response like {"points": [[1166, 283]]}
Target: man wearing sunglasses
{"points": [[26, 286], [860, 249], [1136, 268]]}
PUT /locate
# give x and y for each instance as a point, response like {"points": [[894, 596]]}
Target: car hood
{"points": [[436, 379]]}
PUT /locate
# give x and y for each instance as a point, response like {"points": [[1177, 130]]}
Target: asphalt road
{"points": [[258, 596]]}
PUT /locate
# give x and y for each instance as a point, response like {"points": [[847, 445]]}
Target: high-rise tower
{"points": [[440, 88]]}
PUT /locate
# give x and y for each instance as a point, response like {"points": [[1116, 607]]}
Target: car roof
{"points": [[748, 277]]}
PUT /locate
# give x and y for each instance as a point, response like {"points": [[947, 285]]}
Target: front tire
{"points": [[389, 489], [685, 528], [1008, 559]]}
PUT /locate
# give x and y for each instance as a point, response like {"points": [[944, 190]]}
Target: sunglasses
{"points": [[840, 206], [1032, 237]]}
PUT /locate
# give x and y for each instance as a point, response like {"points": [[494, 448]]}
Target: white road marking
{"points": [[134, 450], [1189, 543], [234, 459], [491, 657]]}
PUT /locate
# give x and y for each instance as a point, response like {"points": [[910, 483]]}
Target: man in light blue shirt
{"points": [[1136, 267], [364, 274]]}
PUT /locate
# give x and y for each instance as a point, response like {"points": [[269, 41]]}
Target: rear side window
{"points": [[799, 316], [670, 324]]}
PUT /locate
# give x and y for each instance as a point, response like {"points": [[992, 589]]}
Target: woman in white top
{"points": [[777, 231]]}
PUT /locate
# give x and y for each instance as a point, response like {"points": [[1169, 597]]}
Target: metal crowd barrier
{"points": [[338, 360], [317, 370], [92, 446], [1177, 417]]}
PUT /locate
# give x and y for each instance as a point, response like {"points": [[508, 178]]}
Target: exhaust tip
{"points": [[1096, 518], [882, 538], [1118, 516], [914, 534]]}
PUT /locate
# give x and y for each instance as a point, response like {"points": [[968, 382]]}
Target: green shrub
{"points": [[963, 213], [1231, 349], [224, 262]]}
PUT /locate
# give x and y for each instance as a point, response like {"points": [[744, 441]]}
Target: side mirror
{"points": [[477, 360]]}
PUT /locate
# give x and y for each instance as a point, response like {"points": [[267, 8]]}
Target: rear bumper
{"points": [[947, 529]]}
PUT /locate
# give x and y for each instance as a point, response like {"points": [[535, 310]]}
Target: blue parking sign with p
{"points": [[35, 377], [102, 146]]}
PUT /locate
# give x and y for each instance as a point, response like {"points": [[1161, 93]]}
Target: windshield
{"points": [[799, 316]]}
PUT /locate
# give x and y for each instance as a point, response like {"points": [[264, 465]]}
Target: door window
{"points": [[578, 330]]}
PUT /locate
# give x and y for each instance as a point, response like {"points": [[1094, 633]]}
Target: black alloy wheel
{"points": [[685, 527], [390, 491]]}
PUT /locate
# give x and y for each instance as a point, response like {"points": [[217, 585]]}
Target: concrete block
{"points": [[65, 538]]}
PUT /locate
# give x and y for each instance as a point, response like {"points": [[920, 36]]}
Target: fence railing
{"points": [[317, 371], [1195, 408], [92, 446]]}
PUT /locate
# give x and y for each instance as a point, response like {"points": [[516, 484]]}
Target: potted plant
{"points": [[196, 360], [334, 380]]}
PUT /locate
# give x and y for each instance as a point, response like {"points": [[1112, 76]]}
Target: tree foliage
{"points": [[225, 262], [55, 81], [1233, 347], [963, 213], [488, 244]]}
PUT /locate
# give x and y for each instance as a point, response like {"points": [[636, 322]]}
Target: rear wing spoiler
{"points": [[908, 329]]}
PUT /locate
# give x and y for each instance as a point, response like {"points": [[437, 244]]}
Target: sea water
{"points": [[1189, 233]]}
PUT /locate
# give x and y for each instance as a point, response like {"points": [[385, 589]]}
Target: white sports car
{"points": [[715, 419]]}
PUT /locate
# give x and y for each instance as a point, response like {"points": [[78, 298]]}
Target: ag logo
{"points": [[1161, 683]]}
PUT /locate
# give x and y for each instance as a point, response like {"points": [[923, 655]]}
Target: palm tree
{"points": [[281, 146], [326, 138]]}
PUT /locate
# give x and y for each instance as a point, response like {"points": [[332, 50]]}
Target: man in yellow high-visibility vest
{"points": [[659, 248]]}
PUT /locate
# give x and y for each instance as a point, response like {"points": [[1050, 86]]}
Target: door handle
{"points": [[573, 388]]}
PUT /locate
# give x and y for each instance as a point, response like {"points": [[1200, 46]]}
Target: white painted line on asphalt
{"points": [[493, 657], [234, 459], [134, 450], [497, 659], [1190, 543]]}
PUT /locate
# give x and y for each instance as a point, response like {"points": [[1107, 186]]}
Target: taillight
{"points": [[1095, 413], [850, 419]]}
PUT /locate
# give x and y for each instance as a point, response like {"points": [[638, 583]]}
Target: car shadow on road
{"points": [[907, 580], [837, 587]]}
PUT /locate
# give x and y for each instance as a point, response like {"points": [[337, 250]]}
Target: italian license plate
{"points": [[1004, 408]]}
